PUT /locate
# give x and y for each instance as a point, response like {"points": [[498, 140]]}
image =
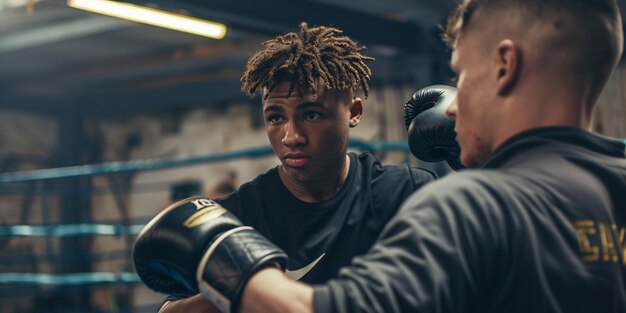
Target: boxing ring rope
{"points": [[157, 164], [69, 279], [91, 229], [84, 229], [70, 230]]}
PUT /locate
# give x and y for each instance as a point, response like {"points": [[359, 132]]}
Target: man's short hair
{"points": [[588, 31], [303, 57], [461, 16]]}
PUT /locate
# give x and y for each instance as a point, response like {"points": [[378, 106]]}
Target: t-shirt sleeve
{"points": [[433, 256], [232, 203], [421, 176]]}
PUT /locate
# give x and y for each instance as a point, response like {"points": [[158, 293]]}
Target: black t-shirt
{"points": [[334, 230], [540, 226], [338, 228]]}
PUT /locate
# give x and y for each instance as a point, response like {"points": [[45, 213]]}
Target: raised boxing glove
{"points": [[431, 133]]}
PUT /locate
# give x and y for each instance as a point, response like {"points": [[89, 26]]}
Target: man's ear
{"points": [[509, 61], [356, 111]]}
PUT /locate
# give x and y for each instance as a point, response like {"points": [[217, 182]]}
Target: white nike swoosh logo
{"points": [[299, 273]]}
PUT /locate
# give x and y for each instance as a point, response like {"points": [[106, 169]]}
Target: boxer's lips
{"points": [[296, 160]]}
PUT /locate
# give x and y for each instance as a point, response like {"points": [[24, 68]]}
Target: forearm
{"points": [[270, 291], [195, 304]]}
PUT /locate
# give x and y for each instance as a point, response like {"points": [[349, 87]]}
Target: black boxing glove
{"points": [[430, 131], [196, 245]]}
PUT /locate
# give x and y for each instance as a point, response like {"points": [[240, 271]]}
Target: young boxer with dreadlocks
{"points": [[322, 205]]}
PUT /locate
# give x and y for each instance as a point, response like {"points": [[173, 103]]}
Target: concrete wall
{"points": [[610, 115], [26, 142]]}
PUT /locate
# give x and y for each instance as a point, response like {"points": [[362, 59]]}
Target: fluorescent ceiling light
{"points": [[152, 17]]}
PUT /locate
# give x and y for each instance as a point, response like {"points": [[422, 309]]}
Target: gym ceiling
{"points": [[55, 59]]}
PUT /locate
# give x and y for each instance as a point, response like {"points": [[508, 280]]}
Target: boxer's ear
{"points": [[356, 111]]}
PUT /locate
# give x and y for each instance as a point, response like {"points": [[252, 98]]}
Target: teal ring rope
{"points": [[69, 279], [156, 164], [63, 230]]}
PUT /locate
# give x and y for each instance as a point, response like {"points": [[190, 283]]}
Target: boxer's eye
{"points": [[312, 116], [275, 118]]}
